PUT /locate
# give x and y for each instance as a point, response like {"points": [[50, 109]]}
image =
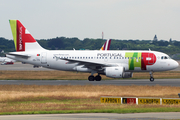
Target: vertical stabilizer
{"points": [[23, 40], [106, 45]]}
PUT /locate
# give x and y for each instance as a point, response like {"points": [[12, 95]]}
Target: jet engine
{"points": [[114, 72]]}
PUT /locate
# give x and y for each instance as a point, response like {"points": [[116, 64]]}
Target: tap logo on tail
{"points": [[21, 35]]}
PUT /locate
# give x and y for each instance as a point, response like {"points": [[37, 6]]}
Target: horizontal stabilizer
{"points": [[19, 55]]}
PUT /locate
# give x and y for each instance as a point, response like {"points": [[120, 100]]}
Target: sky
{"points": [[117, 19]]}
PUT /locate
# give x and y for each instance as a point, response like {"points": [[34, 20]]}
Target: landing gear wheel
{"points": [[91, 78], [151, 79], [151, 76], [98, 78]]}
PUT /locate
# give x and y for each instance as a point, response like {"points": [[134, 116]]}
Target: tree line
{"points": [[63, 43]]}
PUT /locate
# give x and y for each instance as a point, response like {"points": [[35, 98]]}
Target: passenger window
{"points": [[162, 57]]}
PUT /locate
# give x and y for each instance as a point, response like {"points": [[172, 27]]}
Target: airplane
{"points": [[6, 61], [112, 63], [106, 45]]}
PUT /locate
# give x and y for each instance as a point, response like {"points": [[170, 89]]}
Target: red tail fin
{"points": [[21, 35], [106, 45]]}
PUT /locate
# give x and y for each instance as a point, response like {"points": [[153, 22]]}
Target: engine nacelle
{"points": [[127, 75], [114, 72]]}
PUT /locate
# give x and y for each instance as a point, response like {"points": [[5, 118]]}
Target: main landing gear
{"points": [[92, 78], [151, 76]]}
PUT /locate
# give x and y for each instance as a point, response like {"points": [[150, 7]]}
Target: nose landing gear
{"points": [[151, 76]]}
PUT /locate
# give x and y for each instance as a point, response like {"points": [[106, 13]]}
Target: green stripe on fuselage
{"points": [[134, 59]]}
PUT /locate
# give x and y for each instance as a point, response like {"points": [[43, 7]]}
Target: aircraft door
{"points": [[43, 58]]}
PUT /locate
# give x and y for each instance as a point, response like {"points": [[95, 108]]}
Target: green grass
{"points": [[125, 110]]}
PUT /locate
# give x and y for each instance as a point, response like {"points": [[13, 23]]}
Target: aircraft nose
{"points": [[175, 64]]}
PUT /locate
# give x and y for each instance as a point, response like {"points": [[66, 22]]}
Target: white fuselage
{"points": [[133, 61]]}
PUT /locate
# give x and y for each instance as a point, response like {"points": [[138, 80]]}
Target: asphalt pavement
{"points": [[161, 82], [96, 116]]}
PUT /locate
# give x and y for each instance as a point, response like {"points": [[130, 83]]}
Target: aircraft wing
{"points": [[89, 64]]}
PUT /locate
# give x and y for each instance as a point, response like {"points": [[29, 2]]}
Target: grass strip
{"points": [[120, 111], [51, 99]]}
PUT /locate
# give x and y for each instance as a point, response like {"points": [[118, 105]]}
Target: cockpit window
{"points": [[165, 57]]}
